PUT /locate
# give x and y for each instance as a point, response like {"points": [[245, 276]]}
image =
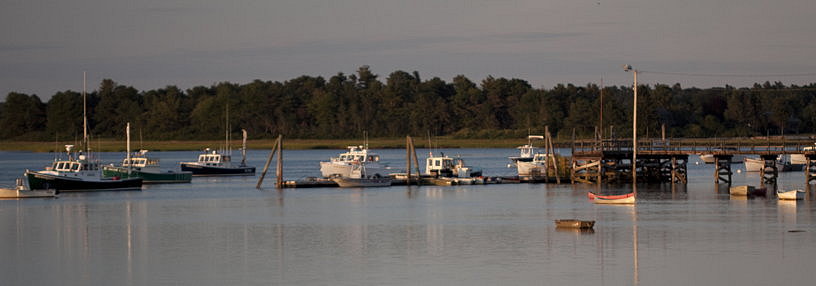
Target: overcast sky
{"points": [[46, 44]]}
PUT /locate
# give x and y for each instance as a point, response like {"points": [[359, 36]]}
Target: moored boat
{"points": [[621, 201], [342, 164], [756, 164], [444, 166], [746, 190], [529, 162], [215, 163], [791, 194], [79, 171], [592, 196], [346, 182], [139, 165], [21, 191], [359, 178], [574, 223]]}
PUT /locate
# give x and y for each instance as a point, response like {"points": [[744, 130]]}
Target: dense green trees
{"points": [[345, 106]]}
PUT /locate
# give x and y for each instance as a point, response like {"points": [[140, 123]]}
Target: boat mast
{"points": [[243, 147], [130, 162], [84, 116]]}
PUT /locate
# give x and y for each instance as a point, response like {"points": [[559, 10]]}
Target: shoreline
{"points": [[108, 145]]}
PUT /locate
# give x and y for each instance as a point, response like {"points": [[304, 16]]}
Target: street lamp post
{"points": [[628, 68]]}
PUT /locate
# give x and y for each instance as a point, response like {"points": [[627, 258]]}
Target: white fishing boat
{"points": [[219, 163], [756, 164], [21, 191], [791, 194], [527, 151], [358, 178], [343, 164], [444, 166], [536, 167]]}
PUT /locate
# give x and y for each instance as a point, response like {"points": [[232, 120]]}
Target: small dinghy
{"points": [[628, 199], [790, 195], [574, 223], [21, 191]]}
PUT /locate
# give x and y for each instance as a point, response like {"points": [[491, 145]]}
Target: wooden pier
{"points": [[597, 161]]}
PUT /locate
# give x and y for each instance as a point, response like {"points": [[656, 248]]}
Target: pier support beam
{"points": [[722, 169], [587, 170], [810, 169], [679, 169], [769, 172]]}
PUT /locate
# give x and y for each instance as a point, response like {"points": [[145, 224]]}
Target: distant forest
{"points": [[344, 106]]}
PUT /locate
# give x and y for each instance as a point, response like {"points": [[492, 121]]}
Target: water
{"points": [[222, 231]]}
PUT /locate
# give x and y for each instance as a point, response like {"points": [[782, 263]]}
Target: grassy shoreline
{"points": [[291, 144], [108, 145]]}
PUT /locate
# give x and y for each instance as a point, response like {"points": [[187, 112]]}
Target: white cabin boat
{"points": [[526, 152], [444, 166], [529, 162], [343, 164], [536, 167], [214, 163]]}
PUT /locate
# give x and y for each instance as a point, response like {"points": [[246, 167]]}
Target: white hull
{"points": [[791, 195], [330, 169], [17, 193], [798, 159], [624, 201], [709, 159], [359, 183], [755, 165], [530, 168]]}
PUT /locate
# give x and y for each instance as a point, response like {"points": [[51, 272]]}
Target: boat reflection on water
{"points": [[575, 230]]}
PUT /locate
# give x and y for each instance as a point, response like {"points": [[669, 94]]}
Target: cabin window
{"points": [[437, 163]]}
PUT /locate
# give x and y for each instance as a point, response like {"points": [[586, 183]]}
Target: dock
{"points": [[661, 160]]}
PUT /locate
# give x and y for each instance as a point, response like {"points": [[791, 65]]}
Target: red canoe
{"points": [[592, 196]]}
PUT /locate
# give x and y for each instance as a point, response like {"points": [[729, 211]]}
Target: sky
{"points": [[45, 45]]}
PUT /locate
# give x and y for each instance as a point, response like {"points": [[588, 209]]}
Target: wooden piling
{"points": [[279, 170]]}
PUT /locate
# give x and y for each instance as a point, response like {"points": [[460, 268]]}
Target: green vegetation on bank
{"points": [[291, 144], [345, 106]]}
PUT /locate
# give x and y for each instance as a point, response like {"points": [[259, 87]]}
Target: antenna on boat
{"points": [[226, 132], [430, 146]]}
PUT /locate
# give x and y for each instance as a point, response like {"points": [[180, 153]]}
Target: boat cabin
{"points": [[439, 166], [356, 154], [213, 159], [140, 162], [71, 166]]}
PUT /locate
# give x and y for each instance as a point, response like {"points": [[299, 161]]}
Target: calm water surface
{"points": [[222, 231]]}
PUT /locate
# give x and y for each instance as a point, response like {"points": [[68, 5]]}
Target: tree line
{"points": [[345, 106]]}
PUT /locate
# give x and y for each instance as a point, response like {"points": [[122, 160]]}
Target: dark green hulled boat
{"points": [[146, 168], [140, 166]]}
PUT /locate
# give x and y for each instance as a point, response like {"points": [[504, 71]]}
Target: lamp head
{"points": [[627, 68]]}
